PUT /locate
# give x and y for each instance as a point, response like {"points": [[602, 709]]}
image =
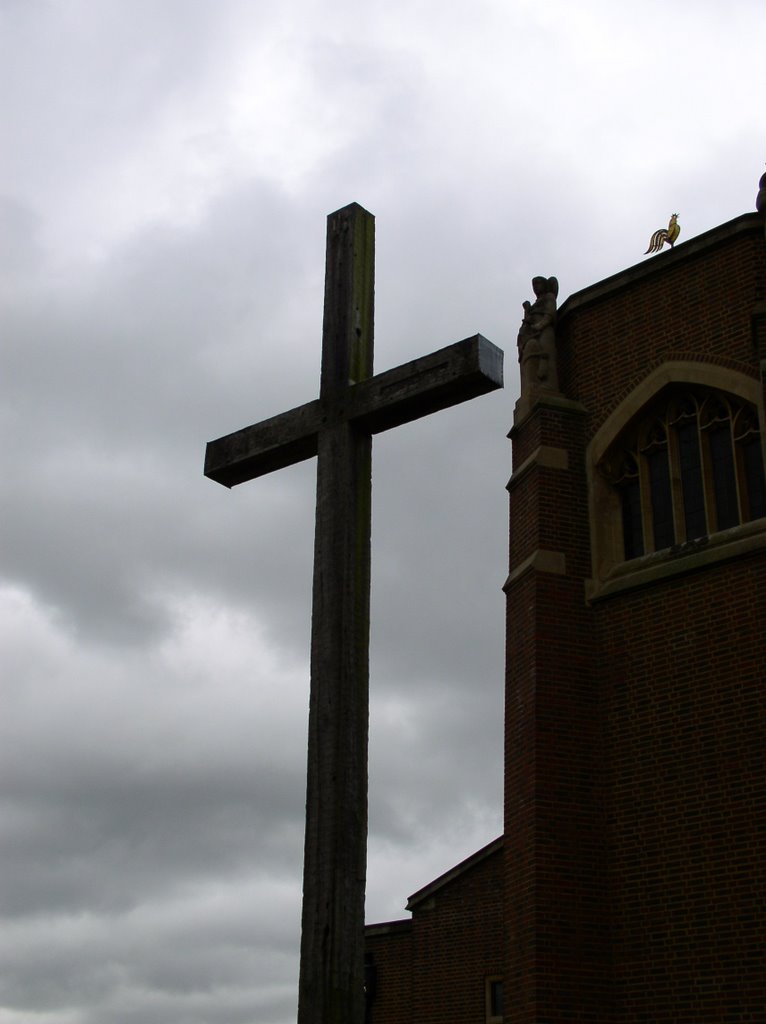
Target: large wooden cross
{"points": [[338, 427]]}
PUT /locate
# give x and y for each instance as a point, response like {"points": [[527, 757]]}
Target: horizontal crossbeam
{"points": [[454, 374], [271, 444]]}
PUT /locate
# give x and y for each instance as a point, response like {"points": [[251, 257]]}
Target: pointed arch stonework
{"points": [[614, 571]]}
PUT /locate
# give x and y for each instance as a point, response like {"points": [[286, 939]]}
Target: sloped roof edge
{"points": [[455, 872], [744, 224], [388, 927]]}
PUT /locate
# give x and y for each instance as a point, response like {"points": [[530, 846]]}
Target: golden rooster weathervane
{"points": [[669, 234]]}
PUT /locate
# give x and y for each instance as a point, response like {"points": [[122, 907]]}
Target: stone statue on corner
{"points": [[760, 199], [537, 339]]}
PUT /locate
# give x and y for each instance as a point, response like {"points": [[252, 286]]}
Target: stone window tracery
{"points": [[690, 466]]}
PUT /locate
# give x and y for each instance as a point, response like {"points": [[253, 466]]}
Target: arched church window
{"points": [[692, 465]]}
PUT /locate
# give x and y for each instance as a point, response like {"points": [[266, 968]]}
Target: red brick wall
{"points": [[457, 943], [390, 947], [635, 730], [695, 307], [685, 747], [630, 888], [555, 880], [435, 971]]}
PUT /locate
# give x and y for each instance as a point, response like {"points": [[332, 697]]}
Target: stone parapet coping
{"points": [[744, 224], [388, 927]]}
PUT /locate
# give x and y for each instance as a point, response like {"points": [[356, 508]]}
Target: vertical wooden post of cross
{"points": [[330, 988]]}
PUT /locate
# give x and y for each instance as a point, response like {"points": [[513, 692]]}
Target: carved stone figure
{"points": [[537, 338], [760, 199]]}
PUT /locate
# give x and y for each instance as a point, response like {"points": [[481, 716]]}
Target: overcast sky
{"points": [[166, 171]]}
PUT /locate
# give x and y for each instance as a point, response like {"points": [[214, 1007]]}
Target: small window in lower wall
{"points": [[494, 1000]]}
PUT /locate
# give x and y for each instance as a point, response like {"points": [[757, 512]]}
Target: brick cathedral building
{"points": [[629, 886]]}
